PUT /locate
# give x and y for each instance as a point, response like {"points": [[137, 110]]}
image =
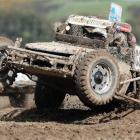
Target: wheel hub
{"points": [[101, 78], [98, 77]]}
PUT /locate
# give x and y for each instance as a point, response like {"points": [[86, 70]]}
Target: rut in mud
{"points": [[72, 121]]}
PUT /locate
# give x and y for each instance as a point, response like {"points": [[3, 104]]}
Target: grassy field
{"points": [[55, 10], [19, 16], [98, 8], [60, 9]]}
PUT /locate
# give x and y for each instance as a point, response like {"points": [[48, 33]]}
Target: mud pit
{"points": [[72, 121]]}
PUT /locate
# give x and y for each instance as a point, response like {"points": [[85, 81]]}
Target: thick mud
{"points": [[72, 121]]}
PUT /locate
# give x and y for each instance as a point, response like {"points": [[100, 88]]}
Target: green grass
{"points": [[88, 7], [55, 10]]}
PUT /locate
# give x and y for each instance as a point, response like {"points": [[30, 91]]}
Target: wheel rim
{"points": [[101, 78]]}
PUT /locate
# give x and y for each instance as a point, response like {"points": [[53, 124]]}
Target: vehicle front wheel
{"points": [[47, 97], [97, 78]]}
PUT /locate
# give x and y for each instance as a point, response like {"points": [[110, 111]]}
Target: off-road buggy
{"points": [[94, 32], [92, 58]]}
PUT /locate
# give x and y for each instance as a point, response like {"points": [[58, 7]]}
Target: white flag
{"points": [[115, 13]]}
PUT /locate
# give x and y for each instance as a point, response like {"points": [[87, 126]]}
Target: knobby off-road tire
{"points": [[97, 78], [6, 77], [47, 97]]}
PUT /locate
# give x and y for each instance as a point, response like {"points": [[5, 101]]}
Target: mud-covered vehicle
{"points": [[92, 58], [95, 32]]}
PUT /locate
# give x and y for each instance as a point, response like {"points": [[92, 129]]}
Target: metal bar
{"points": [[124, 88], [129, 98], [130, 80], [133, 70], [43, 70], [134, 83]]}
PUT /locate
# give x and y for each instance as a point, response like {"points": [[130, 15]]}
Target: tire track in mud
{"points": [[72, 121]]}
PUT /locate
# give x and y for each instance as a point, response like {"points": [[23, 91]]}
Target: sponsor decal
{"points": [[115, 13]]}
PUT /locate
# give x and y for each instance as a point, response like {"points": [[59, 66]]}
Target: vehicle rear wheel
{"points": [[7, 77], [47, 97], [97, 78]]}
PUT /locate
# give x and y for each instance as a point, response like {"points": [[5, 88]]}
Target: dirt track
{"points": [[73, 121]]}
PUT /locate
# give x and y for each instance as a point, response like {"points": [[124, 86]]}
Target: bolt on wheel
{"points": [[97, 78], [101, 78]]}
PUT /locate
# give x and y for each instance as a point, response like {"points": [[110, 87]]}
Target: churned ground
{"points": [[72, 122]]}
